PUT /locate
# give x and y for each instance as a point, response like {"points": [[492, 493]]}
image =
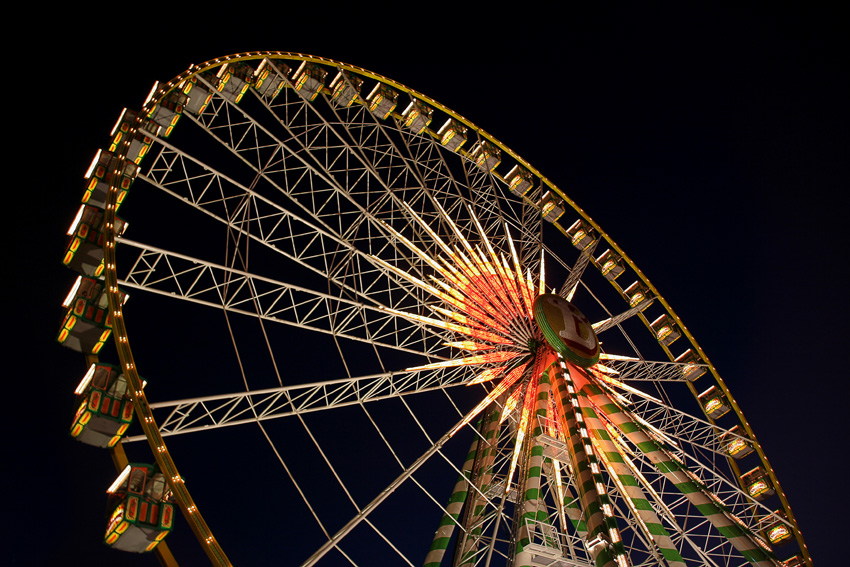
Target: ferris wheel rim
{"points": [[122, 340]]}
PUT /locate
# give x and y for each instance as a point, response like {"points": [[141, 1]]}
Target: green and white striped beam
{"points": [[533, 506], [630, 488], [449, 520], [751, 547], [483, 480], [603, 536]]}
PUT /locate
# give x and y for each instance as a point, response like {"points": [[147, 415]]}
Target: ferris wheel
{"points": [[411, 347]]}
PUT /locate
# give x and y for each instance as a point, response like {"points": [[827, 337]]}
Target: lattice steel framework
{"points": [[332, 220]]}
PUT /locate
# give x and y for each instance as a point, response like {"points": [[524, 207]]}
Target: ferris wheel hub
{"points": [[566, 329]]}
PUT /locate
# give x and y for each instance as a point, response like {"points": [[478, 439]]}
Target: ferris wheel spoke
{"points": [[190, 279], [685, 428], [224, 410], [603, 326], [698, 495], [328, 199], [694, 535], [368, 138], [217, 195], [570, 285], [640, 370], [378, 500], [475, 188], [418, 174], [677, 511], [338, 190], [279, 229], [301, 237], [636, 500], [368, 142], [343, 193]]}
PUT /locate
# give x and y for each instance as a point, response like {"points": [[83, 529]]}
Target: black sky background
{"points": [[711, 145]]}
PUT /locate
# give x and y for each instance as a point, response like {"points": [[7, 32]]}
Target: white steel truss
{"points": [[324, 206]]}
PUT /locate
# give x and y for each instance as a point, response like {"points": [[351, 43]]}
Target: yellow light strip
{"points": [[604, 356], [453, 226], [529, 282], [412, 279], [480, 230], [434, 236], [487, 375], [510, 404], [73, 293], [479, 292], [559, 486], [606, 369], [499, 297], [119, 481], [469, 345], [90, 170], [451, 263], [483, 335], [422, 255], [572, 292], [527, 407], [473, 310], [542, 288], [463, 319], [500, 389], [84, 383], [77, 219], [496, 356], [622, 386], [505, 288], [524, 286], [512, 287]]}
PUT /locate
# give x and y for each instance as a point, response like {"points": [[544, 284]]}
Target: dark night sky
{"points": [[710, 145]]}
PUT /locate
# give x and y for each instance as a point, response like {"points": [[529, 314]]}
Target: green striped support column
{"points": [[687, 483], [455, 505], [483, 479], [533, 508], [631, 490], [603, 535]]}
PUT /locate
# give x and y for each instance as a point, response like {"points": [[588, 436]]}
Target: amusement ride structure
{"points": [[388, 275]]}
